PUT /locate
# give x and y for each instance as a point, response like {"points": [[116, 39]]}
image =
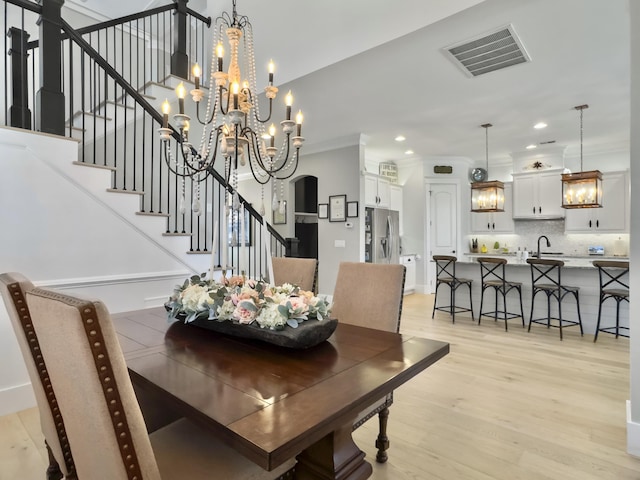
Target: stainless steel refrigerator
{"points": [[382, 237]]}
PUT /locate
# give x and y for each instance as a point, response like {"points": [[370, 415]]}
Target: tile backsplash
{"points": [[527, 233]]}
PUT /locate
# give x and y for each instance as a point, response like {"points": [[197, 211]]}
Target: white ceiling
{"points": [[377, 68]]}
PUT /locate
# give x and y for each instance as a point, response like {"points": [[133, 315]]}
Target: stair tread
{"points": [[119, 190], [153, 214], [93, 165]]}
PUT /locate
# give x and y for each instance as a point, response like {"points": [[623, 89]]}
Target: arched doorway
{"points": [[306, 216]]}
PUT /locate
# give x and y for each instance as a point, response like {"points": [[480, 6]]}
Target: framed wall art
{"points": [[280, 218], [337, 208], [352, 209], [323, 210]]}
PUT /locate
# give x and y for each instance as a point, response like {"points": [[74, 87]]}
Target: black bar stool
{"points": [[614, 283], [446, 275], [493, 275], [546, 278]]}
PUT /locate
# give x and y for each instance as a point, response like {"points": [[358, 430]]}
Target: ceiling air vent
{"points": [[493, 51]]}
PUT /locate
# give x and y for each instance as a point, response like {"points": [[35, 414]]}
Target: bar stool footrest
{"points": [[612, 331], [456, 309], [544, 321], [500, 315]]}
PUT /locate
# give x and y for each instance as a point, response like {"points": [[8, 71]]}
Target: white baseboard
{"points": [[17, 398], [633, 434]]}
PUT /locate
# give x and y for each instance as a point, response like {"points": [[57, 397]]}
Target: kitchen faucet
{"points": [[548, 244]]}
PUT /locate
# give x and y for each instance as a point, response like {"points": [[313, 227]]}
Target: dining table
{"points": [[268, 402]]}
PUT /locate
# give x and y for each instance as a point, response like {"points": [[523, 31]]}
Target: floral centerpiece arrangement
{"points": [[245, 301]]}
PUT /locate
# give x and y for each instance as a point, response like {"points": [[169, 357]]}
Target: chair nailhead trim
{"points": [[110, 390], [27, 326]]}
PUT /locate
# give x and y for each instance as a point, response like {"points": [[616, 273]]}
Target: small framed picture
{"points": [[352, 209], [234, 229], [338, 208], [323, 210], [280, 218]]}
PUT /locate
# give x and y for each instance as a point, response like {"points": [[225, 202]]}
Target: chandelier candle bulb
{"points": [[196, 76], [220, 54], [181, 92], [235, 89], [299, 118], [272, 134], [165, 113], [272, 68], [288, 100], [185, 130]]}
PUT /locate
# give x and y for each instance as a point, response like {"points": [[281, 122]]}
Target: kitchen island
{"points": [[578, 271]]}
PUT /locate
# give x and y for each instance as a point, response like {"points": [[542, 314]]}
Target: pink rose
{"points": [[236, 281], [245, 311], [298, 305]]}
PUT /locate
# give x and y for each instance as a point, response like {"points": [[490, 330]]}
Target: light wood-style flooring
{"points": [[502, 405]]}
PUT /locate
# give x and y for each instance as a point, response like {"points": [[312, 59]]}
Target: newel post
{"points": [[50, 99], [19, 113], [179, 58]]}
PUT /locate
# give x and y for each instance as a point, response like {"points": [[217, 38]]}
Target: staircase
{"points": [[112, 109]]}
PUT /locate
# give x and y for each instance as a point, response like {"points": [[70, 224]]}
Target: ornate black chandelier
{"points": [[232, 125]]}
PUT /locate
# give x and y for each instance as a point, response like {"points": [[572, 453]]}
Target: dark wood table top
{"points": [[268, 402]]}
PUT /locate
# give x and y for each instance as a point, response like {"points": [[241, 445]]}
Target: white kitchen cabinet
{"points": [[538, 195], [409, 262], [613, 217], [496, 222], [376, 191]]}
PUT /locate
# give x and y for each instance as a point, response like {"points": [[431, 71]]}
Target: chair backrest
{"points": [[14, 287], [369, 295], [492, 269], [445, 266], [544, 271], [89, 376], [613, 274], [296, 271]]}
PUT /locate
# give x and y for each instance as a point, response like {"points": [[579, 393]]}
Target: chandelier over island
{"points": [[583, 189], [486, 196], [232, 125]]}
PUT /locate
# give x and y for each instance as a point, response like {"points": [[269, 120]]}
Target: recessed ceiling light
{"points": [[400, 138], [409, 152], [532, 146], [540, 125]]}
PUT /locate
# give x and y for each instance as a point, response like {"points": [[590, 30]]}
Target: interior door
{"points": [[443, 223]]}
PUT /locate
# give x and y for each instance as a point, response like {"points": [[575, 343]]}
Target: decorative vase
{"points": [[308, 334]]}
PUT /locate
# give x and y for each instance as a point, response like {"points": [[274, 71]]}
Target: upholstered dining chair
{"points": [[370, 295], [13, 287], [302, 272], [94, 399]]}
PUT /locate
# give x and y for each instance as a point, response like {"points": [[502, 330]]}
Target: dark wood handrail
{"points": [[34, 7], [137, 16], [109, 23]]}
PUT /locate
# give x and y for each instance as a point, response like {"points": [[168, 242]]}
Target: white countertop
{"points": [[575, 261]]}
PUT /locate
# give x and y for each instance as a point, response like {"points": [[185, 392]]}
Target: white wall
{"points": [[338, 172], [60, 235]]}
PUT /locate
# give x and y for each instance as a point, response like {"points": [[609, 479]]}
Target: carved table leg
{"points": [[382, 443], [53, 470], [335, 456]]}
